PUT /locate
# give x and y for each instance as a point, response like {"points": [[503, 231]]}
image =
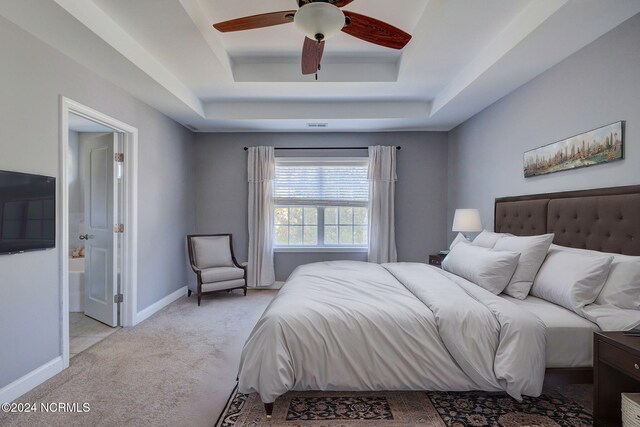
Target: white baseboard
{"points": [[157, 306], [276, 285], [33, 379]]}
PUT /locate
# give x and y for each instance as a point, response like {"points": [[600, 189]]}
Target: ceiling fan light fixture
{"points": [[319, 21]]}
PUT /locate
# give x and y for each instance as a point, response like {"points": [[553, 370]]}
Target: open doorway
{"points": [[94, 177], [98, 244]]}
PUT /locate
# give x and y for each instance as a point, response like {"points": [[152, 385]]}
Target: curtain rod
{"points": [[321, 148]]}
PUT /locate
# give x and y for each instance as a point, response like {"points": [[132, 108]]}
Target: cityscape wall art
{"points": [[601, 145]]}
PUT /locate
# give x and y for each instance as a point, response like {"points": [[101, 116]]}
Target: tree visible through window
{"points": [[297, 226], [321, 202], [345, 226]]}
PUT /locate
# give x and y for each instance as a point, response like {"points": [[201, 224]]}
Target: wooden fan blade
{"points": [[375, 31], [311, 55], [256, 21], [338, 3]]}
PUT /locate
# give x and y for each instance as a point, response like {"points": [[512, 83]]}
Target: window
{"points": [[321, 203]]}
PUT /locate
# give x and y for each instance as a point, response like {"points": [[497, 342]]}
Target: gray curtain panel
{"points": [[382, 189], [261, 173]]}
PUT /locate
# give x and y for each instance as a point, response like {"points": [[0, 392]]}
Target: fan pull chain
{"points": [[318, 57]]}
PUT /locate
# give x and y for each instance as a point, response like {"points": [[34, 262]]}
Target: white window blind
{"points": [[321, 181]]}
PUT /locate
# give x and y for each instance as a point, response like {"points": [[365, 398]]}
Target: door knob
{"points": [[85, 237]]}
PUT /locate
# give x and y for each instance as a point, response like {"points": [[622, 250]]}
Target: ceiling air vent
{"points": [[317, 125]]}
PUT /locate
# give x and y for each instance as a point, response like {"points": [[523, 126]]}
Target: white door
{"points": [[100, 286]]}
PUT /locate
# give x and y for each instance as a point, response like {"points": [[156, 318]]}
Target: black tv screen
{"points": [[27, 212]]}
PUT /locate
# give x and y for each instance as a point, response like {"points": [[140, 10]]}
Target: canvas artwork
{"points": [[597, 146]]}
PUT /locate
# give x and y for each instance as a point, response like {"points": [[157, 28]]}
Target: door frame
{"points": [[130, 212]]}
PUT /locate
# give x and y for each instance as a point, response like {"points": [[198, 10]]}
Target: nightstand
{"points": [[616, 369], [436, 260]]}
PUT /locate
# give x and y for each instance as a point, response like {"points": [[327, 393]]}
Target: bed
{"points": [[358, 326], [604, 219]]}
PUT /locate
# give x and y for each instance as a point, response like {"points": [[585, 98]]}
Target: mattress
{"points": [[569, 336]]}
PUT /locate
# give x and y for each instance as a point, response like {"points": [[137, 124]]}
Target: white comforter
{"points": [[357, 326]]}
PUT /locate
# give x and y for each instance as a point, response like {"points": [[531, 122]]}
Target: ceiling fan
{"points": [[319, 20]]}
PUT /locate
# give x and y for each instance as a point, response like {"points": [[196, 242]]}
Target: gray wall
{"points": [[421, 191], [76, 201], [32, 77], [598, 85]]}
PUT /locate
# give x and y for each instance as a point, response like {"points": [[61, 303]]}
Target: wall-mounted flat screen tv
{"points": [[27, 212]]}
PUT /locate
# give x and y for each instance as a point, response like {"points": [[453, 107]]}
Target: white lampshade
{"points": [[467, 220], [319, 18]]}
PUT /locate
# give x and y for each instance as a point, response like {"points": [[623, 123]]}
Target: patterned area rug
{"points": [[567, 407]]}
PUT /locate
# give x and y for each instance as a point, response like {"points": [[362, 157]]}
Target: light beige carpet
{"points": [[177, 368]]}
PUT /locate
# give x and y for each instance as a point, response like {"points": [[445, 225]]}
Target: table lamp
{"points": [[466, 221]]}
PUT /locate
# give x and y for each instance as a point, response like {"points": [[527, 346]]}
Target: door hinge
{"points": [[119, 157], [117, 298], [118, 228]]}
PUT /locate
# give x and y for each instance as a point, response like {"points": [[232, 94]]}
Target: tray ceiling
{"points": [[464, 55]]}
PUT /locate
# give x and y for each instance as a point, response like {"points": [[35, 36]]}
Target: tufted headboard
{"points": [[606, 219]]}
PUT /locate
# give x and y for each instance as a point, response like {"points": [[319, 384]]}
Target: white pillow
{"points": [[571, 279], [622, 288], [533, 250], [460, 238], [488, 239], [485, 267]]}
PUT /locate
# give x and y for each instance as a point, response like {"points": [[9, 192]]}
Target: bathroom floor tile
{"points": [[78, 344], [75, 318], [90, 328], [85, 332]]}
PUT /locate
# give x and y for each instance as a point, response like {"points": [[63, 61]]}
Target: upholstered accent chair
{"points": [[212, 259]]}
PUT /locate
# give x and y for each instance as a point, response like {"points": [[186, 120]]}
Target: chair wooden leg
{"points": [[199, 298], [245, 291], [188, 292]]}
